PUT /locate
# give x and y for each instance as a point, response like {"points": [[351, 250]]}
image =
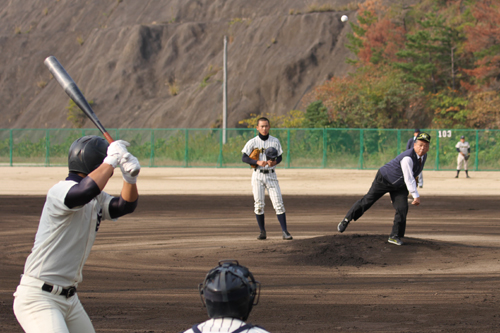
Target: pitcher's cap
{"points": [[424, 137]]}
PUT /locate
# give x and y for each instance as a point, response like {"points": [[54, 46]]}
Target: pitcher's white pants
{"points": [[42, 312], [269, 181]]}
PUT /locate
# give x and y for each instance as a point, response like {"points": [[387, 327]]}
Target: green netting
{"points": [[335, 148]]}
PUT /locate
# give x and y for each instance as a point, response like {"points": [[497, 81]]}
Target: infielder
{"points": [[229, 292], [409, 145], [398, 178], [264, 176], [463, 149], [46, 299]]}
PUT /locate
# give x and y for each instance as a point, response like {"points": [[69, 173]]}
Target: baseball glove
{"points": [[255, 154], [466, 157]]}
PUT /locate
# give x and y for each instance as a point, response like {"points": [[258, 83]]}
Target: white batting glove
{"points": [[116, 150], [130, 167]]}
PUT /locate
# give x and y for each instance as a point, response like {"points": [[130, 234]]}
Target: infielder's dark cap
{"points": [[462, 137], [424, 137], [417, 130]]}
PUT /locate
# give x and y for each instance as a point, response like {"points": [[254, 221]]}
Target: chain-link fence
{"points": [[333, 148]]}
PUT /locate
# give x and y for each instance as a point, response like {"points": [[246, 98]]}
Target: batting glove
{"points": [[116, 150], [130, 167]]}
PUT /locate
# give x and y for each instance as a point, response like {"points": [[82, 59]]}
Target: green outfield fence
{"points": [[331, 148]]}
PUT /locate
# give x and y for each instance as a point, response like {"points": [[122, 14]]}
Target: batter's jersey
{"points": [[65, 236], [463, 147], [225, 325], [262, 145]]}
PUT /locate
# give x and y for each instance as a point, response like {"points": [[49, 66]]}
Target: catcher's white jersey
{"points": [[65, 236], [463, 147], [258, 143], [225, 325]]}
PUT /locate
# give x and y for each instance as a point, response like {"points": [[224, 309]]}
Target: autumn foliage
{"points": [[434, 64]]}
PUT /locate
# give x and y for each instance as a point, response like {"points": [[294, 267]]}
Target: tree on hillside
{"points": [[316, 116], [377, 38], [429, 57], [483, 41], [372, 97]]}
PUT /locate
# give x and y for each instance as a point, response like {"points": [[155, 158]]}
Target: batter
{"points": [[264, 177], [46, 299]]}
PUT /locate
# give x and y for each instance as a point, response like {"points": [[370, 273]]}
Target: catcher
{"points": [[229, 293], [263, 153]]}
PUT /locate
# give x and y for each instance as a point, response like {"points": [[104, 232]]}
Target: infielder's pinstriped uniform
{"points": [[225, 325], [463, 147], [261, 181], [62, 245]]}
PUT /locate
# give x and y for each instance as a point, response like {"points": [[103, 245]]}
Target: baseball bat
{"points": [[76, 95]]}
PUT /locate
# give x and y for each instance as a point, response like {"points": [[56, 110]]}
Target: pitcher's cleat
{"points": [[287, 236], [395, 240]]}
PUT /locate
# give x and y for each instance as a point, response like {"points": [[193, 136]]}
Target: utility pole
{"points": [[224, 95]]}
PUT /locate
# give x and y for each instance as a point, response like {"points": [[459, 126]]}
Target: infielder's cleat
{"points": [[287, 236], [343, 225], [262, 235], [395, 240], [468, 176]]}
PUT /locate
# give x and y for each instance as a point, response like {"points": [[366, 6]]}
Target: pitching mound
{"points": [[358, 250]]}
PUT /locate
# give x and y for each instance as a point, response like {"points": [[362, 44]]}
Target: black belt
{"points": [[264, 171], [69, 292]]}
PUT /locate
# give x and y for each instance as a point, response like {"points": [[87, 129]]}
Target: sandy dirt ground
{"points": [[143, 272]]}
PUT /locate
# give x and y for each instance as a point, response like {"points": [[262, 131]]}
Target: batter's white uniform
{"points": [[225, 325], [265, 178], [62, 245], [464, 149]]}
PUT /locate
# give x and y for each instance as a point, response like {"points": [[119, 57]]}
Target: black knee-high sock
{"points": [[282, 220], [458, 171], [260, 221]]}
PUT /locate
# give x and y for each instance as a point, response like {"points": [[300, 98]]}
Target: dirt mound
{"points": [[358, 250]]}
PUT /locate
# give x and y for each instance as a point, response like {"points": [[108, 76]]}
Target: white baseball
{"points": [[344, 18]]}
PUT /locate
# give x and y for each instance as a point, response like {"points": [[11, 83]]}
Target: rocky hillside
{"points": [[158, 64]]}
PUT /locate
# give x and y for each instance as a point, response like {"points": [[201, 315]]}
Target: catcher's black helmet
{"points": [[87, 153], [271, 153], [229, 290]]}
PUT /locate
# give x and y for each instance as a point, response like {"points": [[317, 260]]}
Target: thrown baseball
{"points": [[344, 18]]}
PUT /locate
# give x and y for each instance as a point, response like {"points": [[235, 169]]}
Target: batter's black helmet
{"points": [[271, 153], [87, 153], [229, 290]]}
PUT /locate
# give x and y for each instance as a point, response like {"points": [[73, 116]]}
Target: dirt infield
{"points": [[143, 272]]}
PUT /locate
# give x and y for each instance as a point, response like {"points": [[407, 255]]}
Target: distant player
{"points": [[396, 178], [229, 293], [463, 149], [264, 175], [46, 299], [409, 145]]}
